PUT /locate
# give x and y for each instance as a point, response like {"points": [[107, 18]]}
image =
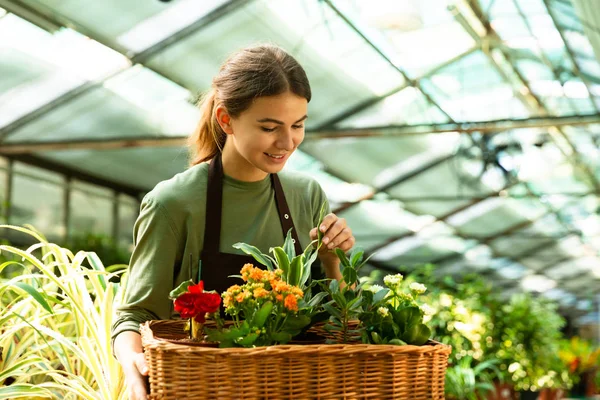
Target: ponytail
{"points": [[208, 139]]}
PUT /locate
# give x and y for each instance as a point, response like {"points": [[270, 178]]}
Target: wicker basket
{"points": [[327, 371]]}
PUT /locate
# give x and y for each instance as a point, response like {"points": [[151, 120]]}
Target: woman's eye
{"points": [[297, 126], [265, 129]]}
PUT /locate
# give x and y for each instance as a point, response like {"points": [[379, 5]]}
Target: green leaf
{"points": [[295, 322], [181, 289], [247, 340], [334, 286], [310, 255], [96, 263], [339, 299], [263, 259], [376, 338], [332, 310], [316, 299], [356, 256], [36, 295], [288, 245], [295, 270], [261, 315], [379, 296], [281, 337], [321, 217], [397, 342], [342, 256], [23, 391], [282, 261], [350, 275]]}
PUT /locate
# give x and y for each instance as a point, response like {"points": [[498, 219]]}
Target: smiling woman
{"points": [[252, 120]]}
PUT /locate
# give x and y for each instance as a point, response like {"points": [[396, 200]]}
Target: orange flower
{"points": [[260, 292], [279, 297], [291, 303], [240, 297], [246, 271], [256, 274], [281, 286], [233, 289]]}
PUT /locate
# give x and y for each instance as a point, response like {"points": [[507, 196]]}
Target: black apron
{"points": [[216, 267]]}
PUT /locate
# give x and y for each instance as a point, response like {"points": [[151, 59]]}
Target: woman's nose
{"points": [[285, 140]]}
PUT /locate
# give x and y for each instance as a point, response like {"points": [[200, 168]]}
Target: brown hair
{"points": [[262, 70]]}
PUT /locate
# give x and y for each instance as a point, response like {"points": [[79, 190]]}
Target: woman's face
{"points": [[266, 134]]}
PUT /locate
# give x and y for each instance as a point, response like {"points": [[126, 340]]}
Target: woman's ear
{"points": [[224, 119]]}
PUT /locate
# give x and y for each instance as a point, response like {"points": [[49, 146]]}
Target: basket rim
{"points": [[151, 342]]}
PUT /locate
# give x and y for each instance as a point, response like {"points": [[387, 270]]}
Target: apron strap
{"points": [[214, 206], [284, 213]]}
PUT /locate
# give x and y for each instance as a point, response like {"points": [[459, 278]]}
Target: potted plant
{"points": [[471, 380], [583, 362], [273, 305], [524, 335]]}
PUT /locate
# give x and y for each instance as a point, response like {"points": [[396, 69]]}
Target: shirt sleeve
{"points": [[151, 269]]}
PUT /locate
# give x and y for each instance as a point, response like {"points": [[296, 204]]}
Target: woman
{"points": [[252, 120]]}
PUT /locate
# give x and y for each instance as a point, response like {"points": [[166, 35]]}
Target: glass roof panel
{"points": [[405, 29], [377, 221], [378, 161], [137, 102], [40, 66], [443, 188], [407, 107], [126, 23], [472, 90], [495, 215], [142, 168], [342, 68], [564, 248], [430, 243]]}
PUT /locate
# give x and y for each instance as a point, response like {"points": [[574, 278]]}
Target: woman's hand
{"points": [[128, 349], [336, 234]]}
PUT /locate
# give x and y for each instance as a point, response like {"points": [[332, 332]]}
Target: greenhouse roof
{"points": [[462, 133]]}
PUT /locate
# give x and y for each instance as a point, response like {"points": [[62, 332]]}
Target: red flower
{"points": [[195, 303]]}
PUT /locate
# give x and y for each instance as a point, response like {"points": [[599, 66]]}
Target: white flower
{"points": [[375, 288], [418, 287], [445, 300], [383, 311], [392, 281], [427, 309]]}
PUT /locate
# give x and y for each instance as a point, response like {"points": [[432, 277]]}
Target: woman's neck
{"points": [[237, 167]]}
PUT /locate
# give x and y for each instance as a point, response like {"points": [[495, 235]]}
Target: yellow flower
{"points": [[297, 291], [290, 302]]}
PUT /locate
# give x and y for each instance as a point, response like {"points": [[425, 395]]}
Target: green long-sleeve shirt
{"points": [[169, 233]]}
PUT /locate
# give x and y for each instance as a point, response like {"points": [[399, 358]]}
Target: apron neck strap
{"points": [[214, 207]]}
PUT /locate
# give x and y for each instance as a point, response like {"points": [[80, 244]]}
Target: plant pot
{"points": [[552, 394], [586, 387]]}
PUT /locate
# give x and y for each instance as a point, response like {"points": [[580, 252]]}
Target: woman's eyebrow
{"points": [[276, 121]]}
